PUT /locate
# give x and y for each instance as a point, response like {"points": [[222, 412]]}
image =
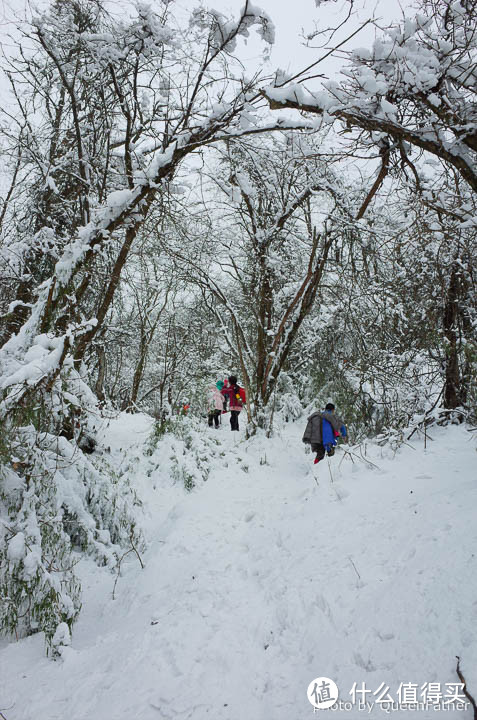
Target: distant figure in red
{"points": [[236, 397]]}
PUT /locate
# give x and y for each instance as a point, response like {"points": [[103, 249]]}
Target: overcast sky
{"points": [[291, 18], [294, 18]]}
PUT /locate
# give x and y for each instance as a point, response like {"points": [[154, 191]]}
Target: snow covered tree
{"points": [[279, 211], [417, 86], [395, 322], [412, 97], [167, 96], [108, 109]]}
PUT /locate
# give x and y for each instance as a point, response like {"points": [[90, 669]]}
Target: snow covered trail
{"points": [[267, 576]]}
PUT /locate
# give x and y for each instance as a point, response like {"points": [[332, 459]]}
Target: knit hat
{"points": [[232, 379], [219, 384]]}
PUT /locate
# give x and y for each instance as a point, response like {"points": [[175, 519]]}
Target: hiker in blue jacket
{"points": [[322, 431]]}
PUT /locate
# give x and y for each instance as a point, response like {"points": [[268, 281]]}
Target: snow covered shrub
{"points": [[190, 460], [181, 475], [288, 401], [37, 584], [161, 427], [376, 394], [184, 451], [55, 503]]}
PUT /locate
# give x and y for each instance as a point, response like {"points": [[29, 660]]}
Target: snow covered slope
{"points": [[269, 574]]}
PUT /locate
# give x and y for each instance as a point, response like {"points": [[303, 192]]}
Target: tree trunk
{"points": [[86, 339], [452, 388], [99, 388], [138, 372]]}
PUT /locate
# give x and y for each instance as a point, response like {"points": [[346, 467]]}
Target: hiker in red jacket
{"points": [[236, 397]]}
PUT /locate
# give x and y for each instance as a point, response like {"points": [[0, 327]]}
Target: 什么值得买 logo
{"points": [[322, 693]]}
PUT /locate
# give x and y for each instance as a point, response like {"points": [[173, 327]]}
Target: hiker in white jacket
{"points": [[215, 405]]}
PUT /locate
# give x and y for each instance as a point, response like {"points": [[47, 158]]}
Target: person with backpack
{"points": [[322, 431], [220, 385], [236, 398], [215, 404]]}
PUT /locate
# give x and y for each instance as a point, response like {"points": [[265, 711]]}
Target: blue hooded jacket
{"points": [[328, 434]]}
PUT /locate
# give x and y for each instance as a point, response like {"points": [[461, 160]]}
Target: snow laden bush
{"points": [[374, 387], [56, 502], [286, 404], [183, 450]]}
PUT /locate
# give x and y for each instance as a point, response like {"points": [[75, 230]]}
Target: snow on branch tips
{"points": [[224, 32]]}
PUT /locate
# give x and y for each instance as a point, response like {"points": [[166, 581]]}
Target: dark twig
{"points": [[136, 551], [427, 420], [119, 569], [131, 549], [466, 692], [354, 566]]}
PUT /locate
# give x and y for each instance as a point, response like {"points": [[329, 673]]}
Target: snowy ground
{"points": [[271, 573]]}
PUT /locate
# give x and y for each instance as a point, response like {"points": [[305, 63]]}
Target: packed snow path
{"points": [[268, 575]]}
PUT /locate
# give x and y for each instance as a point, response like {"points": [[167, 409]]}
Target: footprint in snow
{"points": [[367, 665], [324, 606], [410, 554]]}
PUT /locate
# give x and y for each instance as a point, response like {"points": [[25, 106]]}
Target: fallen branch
{"points": [[361, 457]]}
